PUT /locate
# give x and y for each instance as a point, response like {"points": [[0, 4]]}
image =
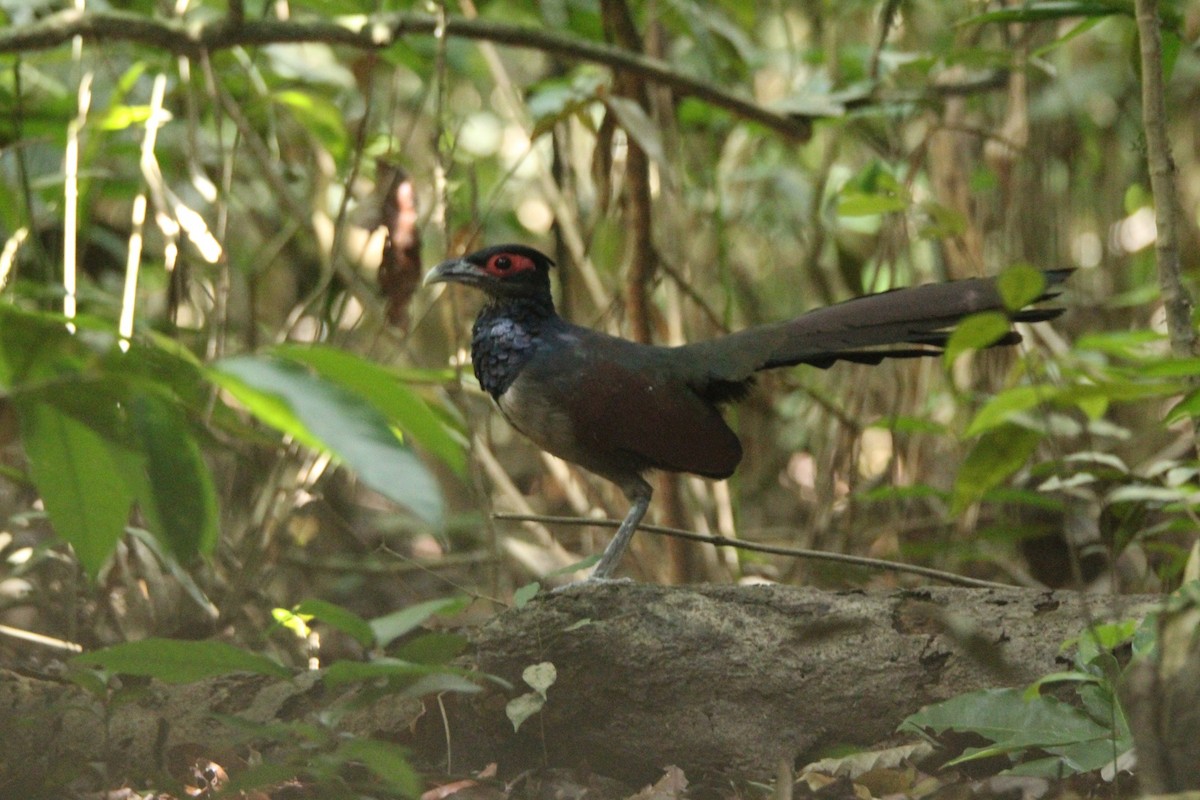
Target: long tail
{"points": [[902, 323]]}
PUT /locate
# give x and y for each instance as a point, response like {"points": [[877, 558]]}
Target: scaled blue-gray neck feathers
{"points": [[507, 332]]}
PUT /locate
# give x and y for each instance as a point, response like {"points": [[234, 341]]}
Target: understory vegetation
{"points": [[237, 437]]}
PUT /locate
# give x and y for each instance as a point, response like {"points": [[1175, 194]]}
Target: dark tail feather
{"points": [[868, 329]]}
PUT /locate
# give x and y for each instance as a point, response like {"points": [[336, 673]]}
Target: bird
{"points": [[621, 409]]}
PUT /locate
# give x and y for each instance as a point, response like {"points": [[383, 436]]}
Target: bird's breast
{"points": [[539, 416]]}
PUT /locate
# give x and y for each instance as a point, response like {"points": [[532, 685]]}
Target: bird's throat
{"points": [[507, 334]]}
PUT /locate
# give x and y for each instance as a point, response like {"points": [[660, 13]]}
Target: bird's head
{"points": [[506, 270]]}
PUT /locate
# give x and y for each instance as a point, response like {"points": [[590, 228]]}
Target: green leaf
{"points": [[997, 455], [975, 333], [1020, 285], [120, 117], [267, 406], [523, 595], [380, 387], [320, 117], [1069, 676], [32, 342], [179, 661], [438, 682], [178, 496], [388, 761], [1001, 407], [79, 476], [1188, 407], [1168, 368], [860, 204], [1135, 344], [343, 672], [432, 648], [907, 424], [336, 420], [1005, 717], [392, 626], [337, 617]]}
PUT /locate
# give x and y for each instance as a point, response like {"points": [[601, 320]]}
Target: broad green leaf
{"points": [[335, 616], [523, 595], [432, 648], [1020, 285], [267, 406], [438, 682], [178, 496], [343, 672], [30, 341], [1102, 638], [179, 661], [79, 477], [975, 333], [1005, 717], [392, 626], [380, 387], [388, 761], [997, 455], [338, 421], [1004, 405]]}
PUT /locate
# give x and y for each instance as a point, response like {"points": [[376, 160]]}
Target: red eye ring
{"points": [[503, 265]]}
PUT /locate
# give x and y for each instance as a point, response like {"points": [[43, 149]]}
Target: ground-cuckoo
{"points": [[619, 408]]}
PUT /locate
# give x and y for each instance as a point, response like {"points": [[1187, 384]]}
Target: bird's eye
{"points": [[502, 265]]}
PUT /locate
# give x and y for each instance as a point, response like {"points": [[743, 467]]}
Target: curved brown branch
{"points": [[373, 32]]}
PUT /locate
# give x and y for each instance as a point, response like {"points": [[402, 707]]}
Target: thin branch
{"points": [[778, 550], [373, 32]]}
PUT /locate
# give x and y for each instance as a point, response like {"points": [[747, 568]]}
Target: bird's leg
{"points": [[639, 494]]}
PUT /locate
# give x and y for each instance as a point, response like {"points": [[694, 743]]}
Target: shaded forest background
{"points": [[195, 195]]}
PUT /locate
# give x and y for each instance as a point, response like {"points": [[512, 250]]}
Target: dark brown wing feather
{"points": [[626, 408]]}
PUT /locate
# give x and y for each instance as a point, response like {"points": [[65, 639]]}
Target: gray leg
{"points": [[640, 495]]}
